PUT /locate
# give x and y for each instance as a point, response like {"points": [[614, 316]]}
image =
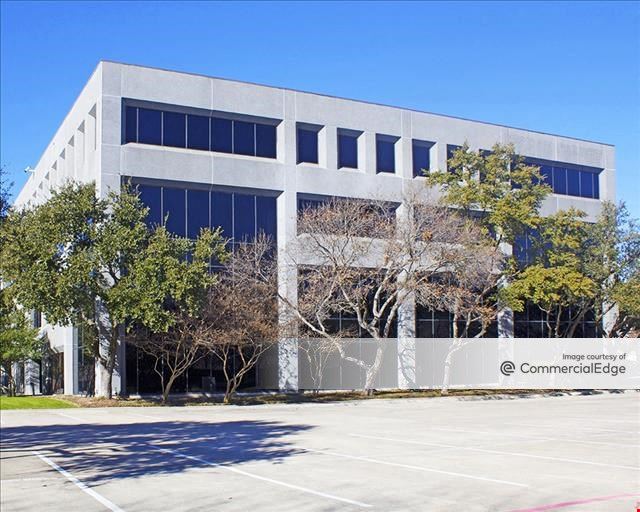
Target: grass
{"points": [[33, 402]]}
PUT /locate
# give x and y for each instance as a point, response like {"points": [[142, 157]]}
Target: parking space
{"points": [[447, 454]]}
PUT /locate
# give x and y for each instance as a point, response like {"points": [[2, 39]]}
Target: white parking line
{"points": [[525, 436], [265, 479], [590, 429], [414, 468], [69, 416], [499, 452], [82, 486]]}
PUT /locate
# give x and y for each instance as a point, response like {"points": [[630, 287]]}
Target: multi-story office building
{"points": [[217, 152]]}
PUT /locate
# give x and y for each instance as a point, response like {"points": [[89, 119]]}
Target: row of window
{"points": [[570, 180], [186, 211], [206, 133]]}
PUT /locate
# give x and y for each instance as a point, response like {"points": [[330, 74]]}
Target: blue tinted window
{"points": [[197, 212], [385, 155], [547, 174], [420, 151], [151, 197], [149, 126], [586, 184], [266, 216], [244, 217], [174, 129], [307, 146], [244, 138], [198, 132], [131, 124], [221, 135], [265, 140], [347, 150], [596, 186], [173, 210], [222, 213], [559, 180], [573, 182]]}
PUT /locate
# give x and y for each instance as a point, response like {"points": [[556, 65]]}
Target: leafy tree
{"points": [[5, 192], [19, 341], [496, 186], [80, 260]]}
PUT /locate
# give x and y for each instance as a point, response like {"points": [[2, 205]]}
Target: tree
{"points": [[364, 260], [241, 319], [172, 272], [72, 257], [496, 186], [579, 269], [19, 341], [5, 193]]}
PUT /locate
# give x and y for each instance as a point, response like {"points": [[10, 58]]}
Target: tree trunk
{"points": [[373, 370], [167, 388]]}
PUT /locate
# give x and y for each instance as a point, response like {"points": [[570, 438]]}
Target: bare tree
{"points": [[241, 318], [365, 259]]}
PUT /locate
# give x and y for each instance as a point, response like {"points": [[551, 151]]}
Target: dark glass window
{"points": [[385, 154], [244, 138], [221, 135], [174, 210], [307, 146], [222, 212], [244, 217], [197, 212], [265, 140], [596, 186], [560, 180], [198, 132], [347, 150], [547, 174], [151, 197], [586, 183], [149, 126], [174, 129], [451, 149], [420, 153], [573, 182], [266, 216], [131, 124]]}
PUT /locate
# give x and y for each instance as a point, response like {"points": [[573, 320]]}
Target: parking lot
{"points": [[446, 454]]}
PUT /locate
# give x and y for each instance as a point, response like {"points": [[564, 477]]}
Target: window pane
{"points": [[131, 124], [559, 180], [347, 151], [198, 132], [451, 149], [586, 184], [307, 146], [150, 196], [596, 186], [221, 135], [385, 155], [266, 216], [265, 140], [420, 159], [222, 212], [149, 126], [547, 174], [173, 129], [197, 212], [573, 182], [244, 138], [244, 217], [173, 210]]}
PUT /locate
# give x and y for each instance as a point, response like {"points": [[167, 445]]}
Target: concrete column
{"points": [[406, 328], [330, 154], [369, 163], [70, 361]]}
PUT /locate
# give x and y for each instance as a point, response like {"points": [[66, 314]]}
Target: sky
{"points": [[565, 68]]}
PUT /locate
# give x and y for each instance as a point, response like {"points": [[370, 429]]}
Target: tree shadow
{"points": [[108, 452]]}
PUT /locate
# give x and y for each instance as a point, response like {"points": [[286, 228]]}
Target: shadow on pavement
{"points": [[108, 452]]}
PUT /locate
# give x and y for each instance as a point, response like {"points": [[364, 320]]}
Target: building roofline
{"points": [[357, 101]]}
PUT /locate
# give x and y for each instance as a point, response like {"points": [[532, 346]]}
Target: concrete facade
{"points": [[89, 146]]}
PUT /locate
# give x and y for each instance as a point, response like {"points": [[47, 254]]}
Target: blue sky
{"points": [[568, 68]]}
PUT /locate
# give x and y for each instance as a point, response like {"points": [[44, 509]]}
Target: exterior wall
{"points": [[97, 115]]}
